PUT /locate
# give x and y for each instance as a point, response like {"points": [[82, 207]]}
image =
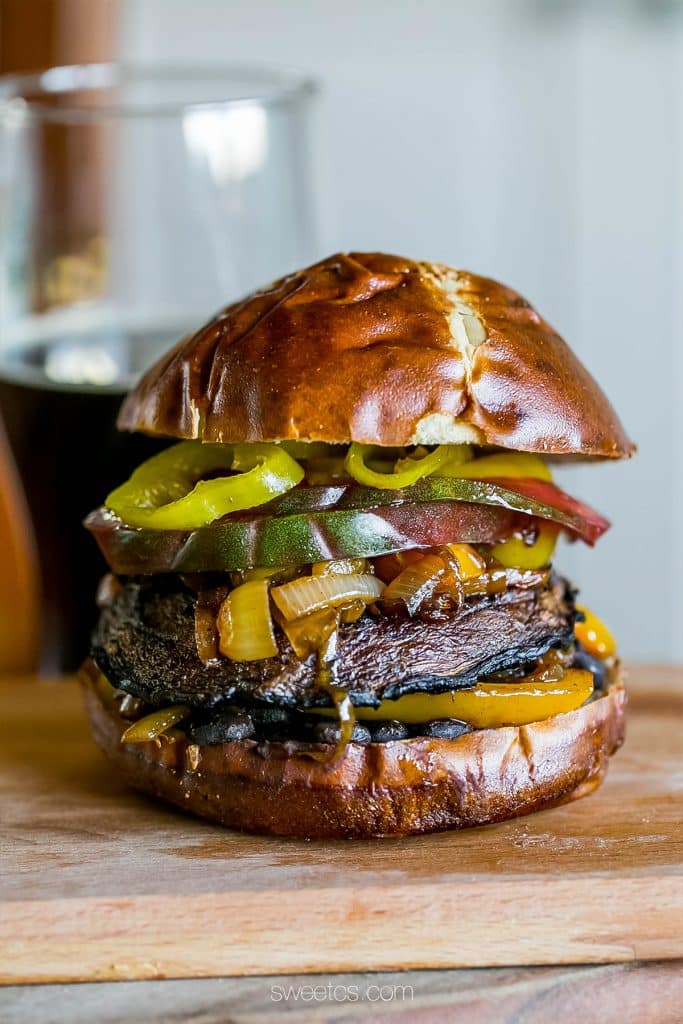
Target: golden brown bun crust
{"points": [[382, 789], [380, 349]]}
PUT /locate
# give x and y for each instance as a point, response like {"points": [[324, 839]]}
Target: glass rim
{"points": [[273, 86]]}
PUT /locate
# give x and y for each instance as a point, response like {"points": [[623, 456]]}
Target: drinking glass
{"points": [[134, 202]]}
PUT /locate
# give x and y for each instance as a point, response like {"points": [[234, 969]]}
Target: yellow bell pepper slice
{"points": [[514, 553], [470, 562], [490, 705], [594, 635], [501, 464], [163, 493]]}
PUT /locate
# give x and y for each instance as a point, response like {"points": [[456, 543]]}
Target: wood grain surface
{"points": [[100, 884]]}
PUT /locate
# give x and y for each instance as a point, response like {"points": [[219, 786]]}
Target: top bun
{"points": [[379, 349]]}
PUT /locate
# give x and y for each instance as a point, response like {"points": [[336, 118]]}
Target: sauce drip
{"points": [[346, 715]]}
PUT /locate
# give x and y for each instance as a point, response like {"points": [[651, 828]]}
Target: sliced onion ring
{"points": [[309, 593]]}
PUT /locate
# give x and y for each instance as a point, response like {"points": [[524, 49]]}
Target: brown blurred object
{"points": [[69, 264], [19, 576], [38, 34]]}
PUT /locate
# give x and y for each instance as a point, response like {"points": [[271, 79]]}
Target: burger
{"points": [[332, 608]]}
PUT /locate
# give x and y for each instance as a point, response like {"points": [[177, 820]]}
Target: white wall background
{"points": [[538, 142]]}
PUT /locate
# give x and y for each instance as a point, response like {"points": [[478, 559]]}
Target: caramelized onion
{"points": [[308, 594], [352, 611], [495, 581], [463, 564], [552, 666], [345, 715], [343, 707], [387, 567], [206, 637], [416, 583], [310, 633], [245, 627]]}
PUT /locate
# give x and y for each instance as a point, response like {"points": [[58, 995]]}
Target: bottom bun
{"points": [[379, 789]]}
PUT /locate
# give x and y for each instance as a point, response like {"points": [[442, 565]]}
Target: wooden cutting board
{"points": [[99, 883]]}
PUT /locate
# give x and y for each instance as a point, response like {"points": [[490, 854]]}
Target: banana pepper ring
{"points": [[163, 493], [411, 469]]}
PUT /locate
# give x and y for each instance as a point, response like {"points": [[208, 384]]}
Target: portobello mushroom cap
{"points": [[144, 643]]}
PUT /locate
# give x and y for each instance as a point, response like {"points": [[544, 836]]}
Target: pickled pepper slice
{"points": [[167, 492]]}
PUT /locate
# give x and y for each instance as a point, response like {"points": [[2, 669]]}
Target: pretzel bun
{"points": [[379, 789], [379, 349]]}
